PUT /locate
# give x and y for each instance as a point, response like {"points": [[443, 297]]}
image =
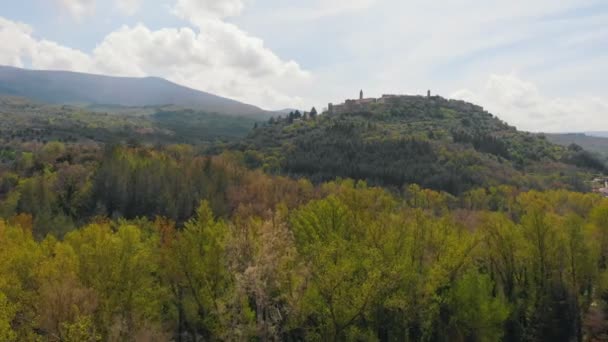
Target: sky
{"points": [[540, 65]]}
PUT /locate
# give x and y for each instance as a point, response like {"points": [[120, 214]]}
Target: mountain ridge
{"points": [[68, 87], [599, 134], [595, 143]]}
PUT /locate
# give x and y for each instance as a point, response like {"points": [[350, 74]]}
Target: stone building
{"points": [[363, 104], [351, 105]]}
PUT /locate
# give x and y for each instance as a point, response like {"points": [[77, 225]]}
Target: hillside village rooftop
{"points": [[363, 104]]}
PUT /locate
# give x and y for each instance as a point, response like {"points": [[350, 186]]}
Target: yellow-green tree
{"points": [[202, 283], [7, 315], [122, 268], [19, 258]]}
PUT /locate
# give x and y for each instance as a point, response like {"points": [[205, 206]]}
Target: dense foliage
{"points": [[162, 242], [441, 144], [177, 246], [22, 120]]}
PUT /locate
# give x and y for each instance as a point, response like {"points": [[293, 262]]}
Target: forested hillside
{"points": [[438, 143], [136, 244], [266, 170], [427, 221], [26, 121]]}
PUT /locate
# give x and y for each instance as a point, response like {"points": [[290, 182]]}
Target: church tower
{"points": [[361, 95]]}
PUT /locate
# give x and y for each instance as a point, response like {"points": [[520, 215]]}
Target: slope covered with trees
{"points": [[453, 237], [272, 258], [438, 143], [25, 121]]}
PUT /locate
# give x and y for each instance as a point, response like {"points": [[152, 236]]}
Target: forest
{"points": [[440, 144], [203, 248], [311, 228], [24, 120], [303, 171]]}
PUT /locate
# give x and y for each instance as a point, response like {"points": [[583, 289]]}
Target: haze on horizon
{"points": [[539, 65]]}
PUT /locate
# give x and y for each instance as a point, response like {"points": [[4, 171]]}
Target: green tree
{"points": [[19, 257], [313, 113], [7, 314], [345, 270], [122, 269], [203, 283], [478, 315]]}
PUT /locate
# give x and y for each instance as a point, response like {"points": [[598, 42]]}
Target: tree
{"points": [[347, 270], [201, 265], [478, 315], [313, 113], [82, 330], [122, 269], [7, 314], [269, 275], [19, 257], [63, 300]]}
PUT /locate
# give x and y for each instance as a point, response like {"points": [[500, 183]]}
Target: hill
{"points": [[63, 87], [592, 143], [165, 241], [597, 134], [438, 143], [24, 121]]}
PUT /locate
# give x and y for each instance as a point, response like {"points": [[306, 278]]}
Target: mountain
{"points": [[285, 111], [442, 144], [64, 87], [593, 142], [597, 134]]}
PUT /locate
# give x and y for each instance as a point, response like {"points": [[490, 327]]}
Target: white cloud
{"points": [[128, 7], [50, 55], [139, 51], [410, 46], [19, 36], [43, 54], [521, 103], [388, 46], [78, 8], [219, 58], [215, 56]]}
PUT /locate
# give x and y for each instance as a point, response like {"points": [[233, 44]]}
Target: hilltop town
{"points": [[363, 104]]}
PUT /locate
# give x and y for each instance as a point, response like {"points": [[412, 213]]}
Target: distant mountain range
{"points": [[286, 111], [596, 142], [64, 87], [597, 134]]}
